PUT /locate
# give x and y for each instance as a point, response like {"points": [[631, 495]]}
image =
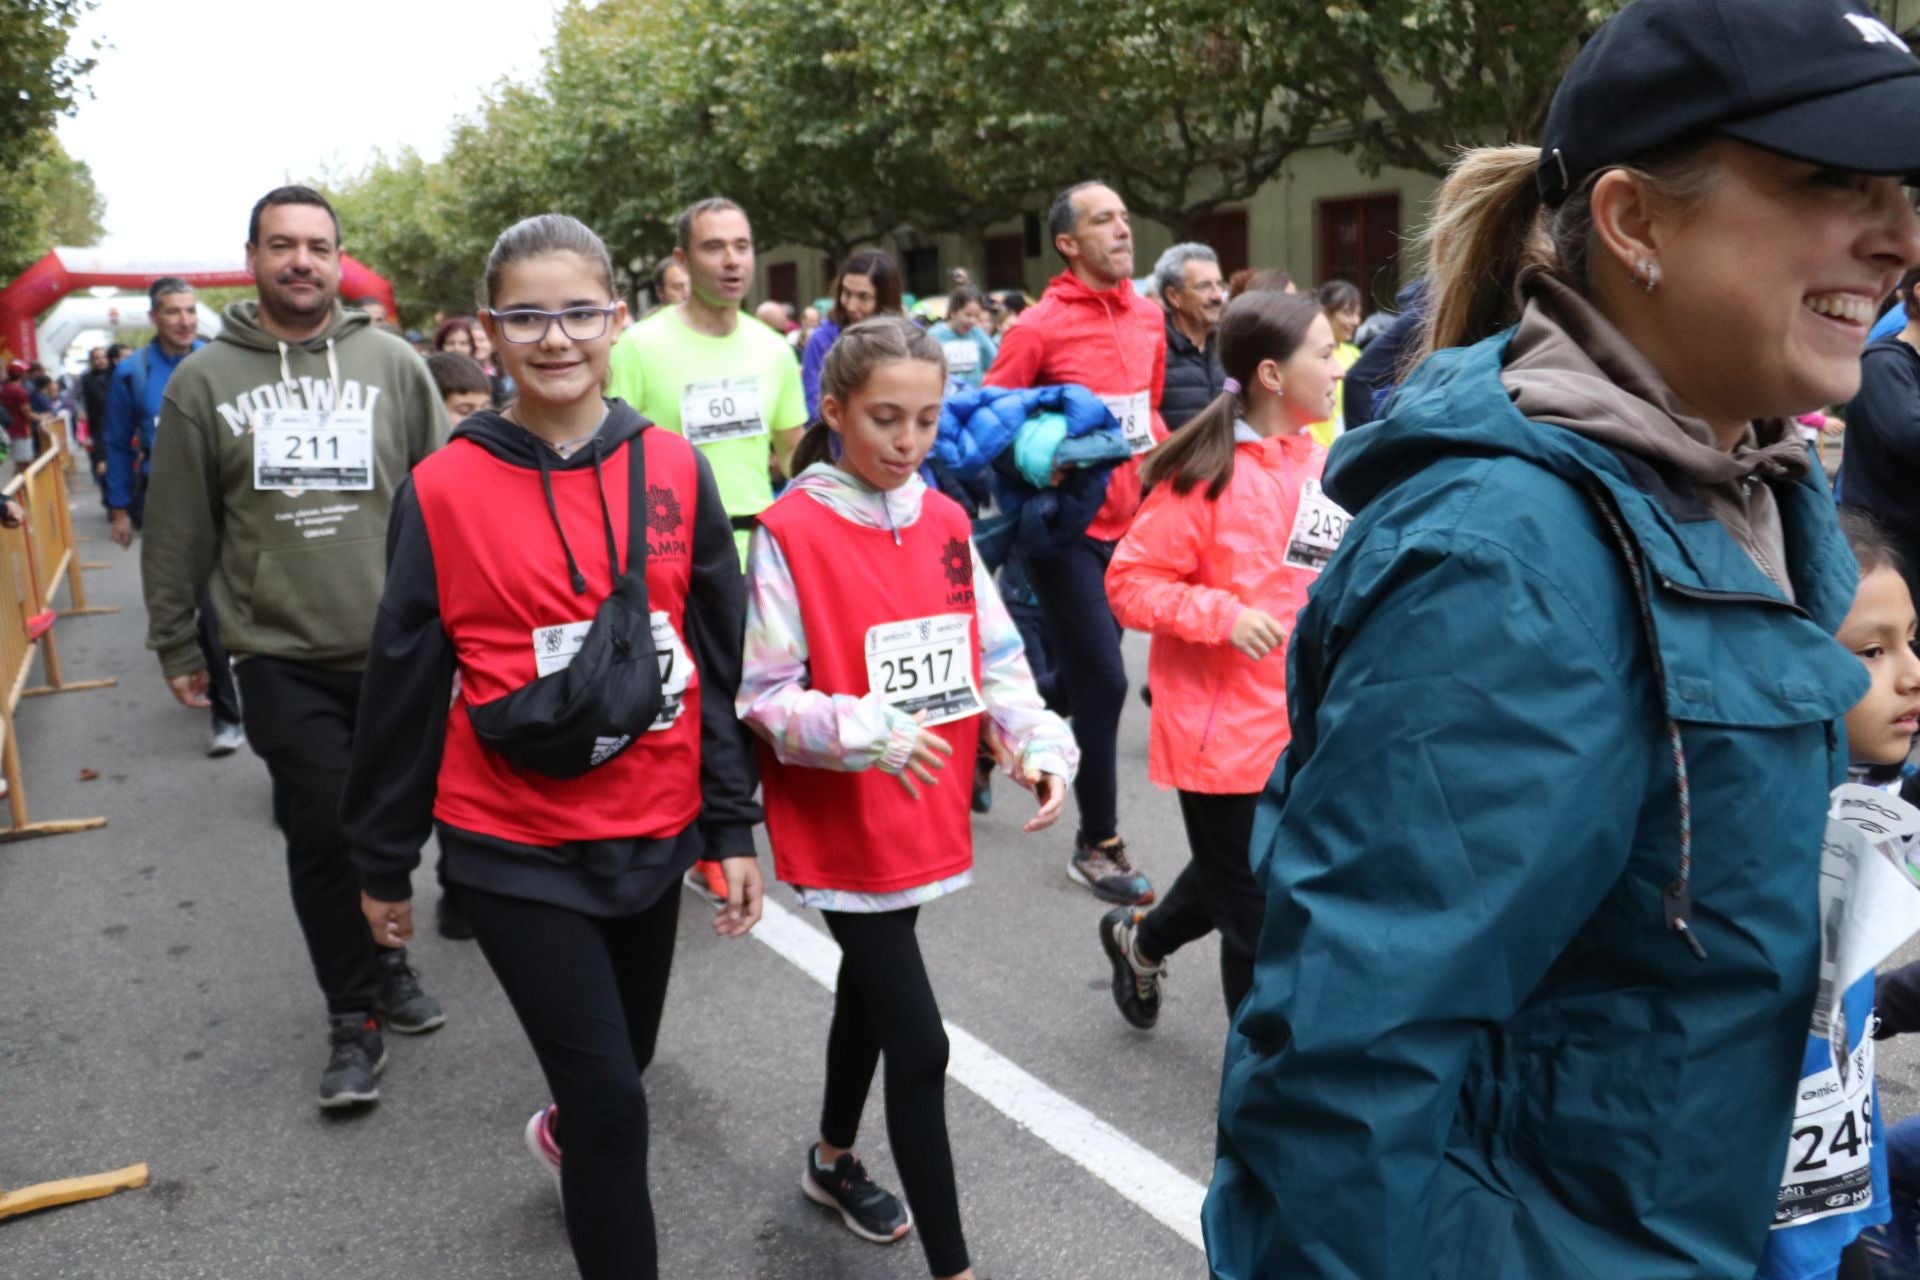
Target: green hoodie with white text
{"points": [[294, 573]]}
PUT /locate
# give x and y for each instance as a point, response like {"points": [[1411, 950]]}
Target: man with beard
{"points": [[1190, 286], [275, 463]]}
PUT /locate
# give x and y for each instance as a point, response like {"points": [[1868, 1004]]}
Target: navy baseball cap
{"points": [[1819, 80]]}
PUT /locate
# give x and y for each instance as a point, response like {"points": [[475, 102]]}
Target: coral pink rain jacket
{"points": [[1183, 573]]}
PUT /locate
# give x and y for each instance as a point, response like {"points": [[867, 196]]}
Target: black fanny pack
{"points": [[571, 721]]}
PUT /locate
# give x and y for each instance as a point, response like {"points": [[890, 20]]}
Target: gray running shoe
{"points": [[1107, 872], [399, 1000], [356, 1056]]}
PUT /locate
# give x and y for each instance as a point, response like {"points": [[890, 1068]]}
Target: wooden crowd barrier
{"points": [[47, 1195], [75, 461], [34, 560], [50, 524]]}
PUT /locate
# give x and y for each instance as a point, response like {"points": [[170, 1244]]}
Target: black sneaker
{"points": [[1136, 987], [399, 1000], [449, 919], [356, 1056], [869, 1212]]}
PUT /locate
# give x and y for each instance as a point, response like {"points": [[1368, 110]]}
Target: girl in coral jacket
{"points": [[1233, 531], [877, 653]]}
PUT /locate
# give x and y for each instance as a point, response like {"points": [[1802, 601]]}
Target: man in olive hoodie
{"points": [[279, 449]]}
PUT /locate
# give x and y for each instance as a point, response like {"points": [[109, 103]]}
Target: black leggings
{"points": [[884, 1004], [588, 992], [1216, 890]]}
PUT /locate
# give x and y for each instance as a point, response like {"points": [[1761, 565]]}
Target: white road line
{"points": [[1063, 1124]]}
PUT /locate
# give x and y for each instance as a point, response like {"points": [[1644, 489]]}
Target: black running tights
{"points": [[1216, 890], [588, 991], [884, 1005]]}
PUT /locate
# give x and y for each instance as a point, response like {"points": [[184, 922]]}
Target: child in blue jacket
{"points": [[1834, 1185]]}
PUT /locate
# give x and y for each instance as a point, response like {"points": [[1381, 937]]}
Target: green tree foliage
{"points": [[46, 196], [836, 121], [39, 80], [74, 206], [1416, 80], [1183, 105], [404, 216], [51, 200]]}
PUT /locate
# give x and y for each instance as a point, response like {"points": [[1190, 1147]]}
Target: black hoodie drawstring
{"points": [[546, 483], [606, 515], [1676, 902], [540, 452]]}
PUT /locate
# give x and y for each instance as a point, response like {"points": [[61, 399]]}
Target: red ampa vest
{"points": [[503, 577], [861, 832]]}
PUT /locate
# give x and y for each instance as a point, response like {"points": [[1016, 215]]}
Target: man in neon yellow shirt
{"points": [[723, 380]]}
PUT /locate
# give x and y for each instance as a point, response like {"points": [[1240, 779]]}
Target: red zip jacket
{"points": [[1113, 342]]}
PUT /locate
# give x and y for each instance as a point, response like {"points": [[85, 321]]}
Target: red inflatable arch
{"points": [[65, 270]]}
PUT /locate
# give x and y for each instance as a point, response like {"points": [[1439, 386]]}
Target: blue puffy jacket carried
{"points": [[978, 429], [1475, 1048]]}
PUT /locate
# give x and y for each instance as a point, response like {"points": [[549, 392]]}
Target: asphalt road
{"points": [[156, 1005]]}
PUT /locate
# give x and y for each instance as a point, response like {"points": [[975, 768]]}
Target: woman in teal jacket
{"points": [[1540, 942]]}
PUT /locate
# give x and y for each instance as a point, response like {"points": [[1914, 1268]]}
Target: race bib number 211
{"points": [[313, 449]]}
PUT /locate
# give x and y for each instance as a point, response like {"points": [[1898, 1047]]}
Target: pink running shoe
{"points": [[543, 1145]]}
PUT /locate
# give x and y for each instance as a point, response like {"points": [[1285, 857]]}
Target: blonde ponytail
{"points": [[1486, 229], [1489, 226]]}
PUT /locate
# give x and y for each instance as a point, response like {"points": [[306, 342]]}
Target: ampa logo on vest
{"points": [[664, 518]]}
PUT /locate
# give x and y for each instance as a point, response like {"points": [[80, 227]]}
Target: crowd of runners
{"points": [[1526, 785]]}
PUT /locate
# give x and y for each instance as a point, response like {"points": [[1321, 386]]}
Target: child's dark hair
{"points": [[1263, 324], [455, 374], [1867, 538], [1337, 295], [962, 298], [878, 266], [450, 326], [852, 359], [540, 235]]}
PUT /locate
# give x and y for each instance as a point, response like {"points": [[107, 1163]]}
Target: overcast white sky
{"points": [[201, 106]]}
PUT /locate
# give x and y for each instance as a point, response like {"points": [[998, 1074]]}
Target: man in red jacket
{"points": [[1091, 328]]}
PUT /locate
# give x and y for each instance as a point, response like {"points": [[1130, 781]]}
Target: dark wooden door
{"points": [[1225, 232], [1006, 261], [783, 283], [1360, 241]]}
